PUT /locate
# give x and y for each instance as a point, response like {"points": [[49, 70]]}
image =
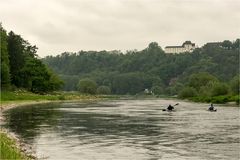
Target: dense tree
{"points": [[236, 44], [70, 82], [21, 66], [201, 79], [219, 89], [227, 44], [188, 92], [136, 71], [17, 57], [5, 71], [235, 85], [157, 90], [129, 83]]}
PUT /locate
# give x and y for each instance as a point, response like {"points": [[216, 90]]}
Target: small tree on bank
{"points": [[103, 90], [187, 92], [87, 86]]}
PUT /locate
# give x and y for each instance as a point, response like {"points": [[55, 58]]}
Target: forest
{"points": [[21, 68], [211, 70]]}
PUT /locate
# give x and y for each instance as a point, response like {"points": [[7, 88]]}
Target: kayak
{"points": [[215, 110], [168, 110]]}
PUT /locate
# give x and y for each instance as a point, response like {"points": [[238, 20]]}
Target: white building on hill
{"points": [[187, 46]]}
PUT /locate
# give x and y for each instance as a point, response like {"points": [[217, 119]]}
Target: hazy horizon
{"points": [[56, 26]]}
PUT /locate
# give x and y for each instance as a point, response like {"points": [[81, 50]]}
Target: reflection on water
{"points": [[128, 129]]}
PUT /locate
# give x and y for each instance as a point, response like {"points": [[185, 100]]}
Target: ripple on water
{"points": [[128, 129]]}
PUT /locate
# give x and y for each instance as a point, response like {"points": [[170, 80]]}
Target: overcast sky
{"points": [[56, 26]]}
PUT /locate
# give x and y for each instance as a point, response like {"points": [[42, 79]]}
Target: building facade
{"points": [[187, 46]]}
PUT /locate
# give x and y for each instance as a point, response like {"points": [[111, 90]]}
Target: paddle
{"points": [[173, 105]]}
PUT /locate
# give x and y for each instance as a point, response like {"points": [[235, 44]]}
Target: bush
{"points": [[219, 89], [87, 86], [201, 79], [235, 85], [103, 90], [187, 92], [61, 97], [201, 99], [157, 90], [220, 99]]}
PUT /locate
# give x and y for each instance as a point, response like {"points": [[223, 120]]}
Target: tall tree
{"points": [[5, 73], [16, 56]]}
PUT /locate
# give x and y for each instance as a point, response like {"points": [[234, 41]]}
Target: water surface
{"points": [[128, 129]]}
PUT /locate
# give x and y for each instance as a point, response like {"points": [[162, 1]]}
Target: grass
{"points": [[9, 149], [24, 96]]}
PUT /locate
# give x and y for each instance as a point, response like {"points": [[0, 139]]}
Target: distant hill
{"points": [[150, 68]]}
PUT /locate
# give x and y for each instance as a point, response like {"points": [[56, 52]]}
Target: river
{"points": [[128, 130]]}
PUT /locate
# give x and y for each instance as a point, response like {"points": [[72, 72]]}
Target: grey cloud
{"points": [[56, 26]]}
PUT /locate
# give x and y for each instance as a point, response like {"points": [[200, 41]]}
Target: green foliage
{"points": [[136, 71], [39, 79], [201, 79], [157, 90], [61, 97], [187, 92], [8, 148], [20, 64], [227, 44], [216, 99], [235, 85], [174, 89], [105, 90], [131, 83], [5, 71], [87, 86], [70, 82], [219, 89], [17, 54], [5, 76], [23, 95]]}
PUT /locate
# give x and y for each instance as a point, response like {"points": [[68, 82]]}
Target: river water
{"points": [[128, 130]]}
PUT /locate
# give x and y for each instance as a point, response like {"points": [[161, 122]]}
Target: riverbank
{"points": [[13, 148], [217, 99], [20, 97]]}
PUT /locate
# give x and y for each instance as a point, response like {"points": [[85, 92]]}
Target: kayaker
{"points": [[211, 108], [170, 107]]}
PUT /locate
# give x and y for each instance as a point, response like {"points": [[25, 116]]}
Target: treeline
{"points": [[153, 71], [22, 68]]}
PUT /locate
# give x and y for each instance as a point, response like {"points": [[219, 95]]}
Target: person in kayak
{"points": [[211, 108], [170, 107]]}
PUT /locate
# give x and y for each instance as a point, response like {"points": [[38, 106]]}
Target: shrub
{"points": [[187, 92], [87, 86], [235, 85], [219, 89], [157, 90], [201, 79], [103, 90], [220, 99], [62, 97]]}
